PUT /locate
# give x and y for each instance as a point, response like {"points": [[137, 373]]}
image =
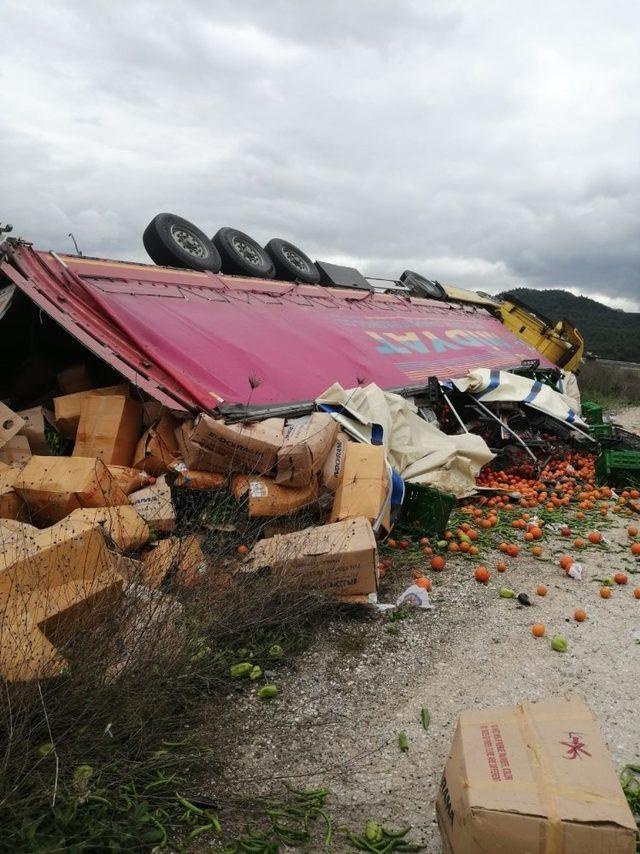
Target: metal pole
{"points": [[452, 408]]}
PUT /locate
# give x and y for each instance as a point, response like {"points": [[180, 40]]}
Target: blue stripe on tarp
{"points": [[397, 495], [494, 382], [377, 434], [571, 417], [535, 391]]}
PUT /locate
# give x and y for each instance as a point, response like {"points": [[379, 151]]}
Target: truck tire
{"points": [[175, 242], [421, 287], [241, 255], [291, 263]]}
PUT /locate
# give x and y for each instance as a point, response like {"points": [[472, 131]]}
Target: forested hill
{"points": [[609, 333]]}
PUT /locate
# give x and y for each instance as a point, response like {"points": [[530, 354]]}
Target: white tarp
{"points": [[492, 386], [418, 451]]}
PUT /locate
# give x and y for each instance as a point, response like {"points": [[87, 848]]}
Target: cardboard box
{"points": [[73, 379], [535, 777], [10, 424], [251, 448], [339, 558], [13, 532], [36, 421], [67, 408], [129, 480], [194, 479], [47, 589], [11, 505], [268, 498], [109, 429], [123, 525], [307, 442], [155, 505], [194, 456], [363, 488], [333, 465], [54, 486], [157, 449], [16, 451]]}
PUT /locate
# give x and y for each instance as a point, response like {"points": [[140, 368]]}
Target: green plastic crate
{"points": [[601, 431], [425, 510], [618, 468], [592, 412]]}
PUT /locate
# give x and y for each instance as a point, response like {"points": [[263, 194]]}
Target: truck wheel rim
{"points": [[188, 241], [295, 259], [246, 251]]}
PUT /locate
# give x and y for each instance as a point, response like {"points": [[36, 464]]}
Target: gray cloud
{"points": [[489, 144]]}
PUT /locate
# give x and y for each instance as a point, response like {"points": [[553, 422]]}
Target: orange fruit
{"points": [[503, 547], [438, 563], [513, 550], [632, 531], [578, 543], [482, 574], [595, 537], [243, 550], [537, 630], [424, 582], [501, 566], [536, 532], [541, 590], [536, 551], [465, 546], [528, 537], [566, 561], [579, 615], [605, 592], [404, 544], [473, 550], [454, 547], [636, 592], [635, 549], [392, 543], [620, 578]]}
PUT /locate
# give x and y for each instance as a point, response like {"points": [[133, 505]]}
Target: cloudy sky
{"points": [[489, 143]]}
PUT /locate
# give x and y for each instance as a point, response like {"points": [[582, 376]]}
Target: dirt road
{"points": [[365, 679]]}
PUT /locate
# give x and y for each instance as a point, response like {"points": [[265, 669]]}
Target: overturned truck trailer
{"points": [[227, 344]]}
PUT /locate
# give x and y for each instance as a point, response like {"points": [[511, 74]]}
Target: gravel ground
{"points": [[628, 418], [344, 700]]}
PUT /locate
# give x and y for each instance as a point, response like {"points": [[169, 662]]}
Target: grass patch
{"points": [[608, 385]]}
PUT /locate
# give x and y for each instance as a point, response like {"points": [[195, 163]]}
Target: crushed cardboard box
{"points": [[534, 777], [11, 504], [16, 451], [331, 473], [364, 483], [157, 449], [341, 558], [108, 428], [249, 448], [155, 505], [68, 406], [307, 442], [122, 525], [54, 486], [47, 588], [10, 424], [268, 498], [36, 419]]}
